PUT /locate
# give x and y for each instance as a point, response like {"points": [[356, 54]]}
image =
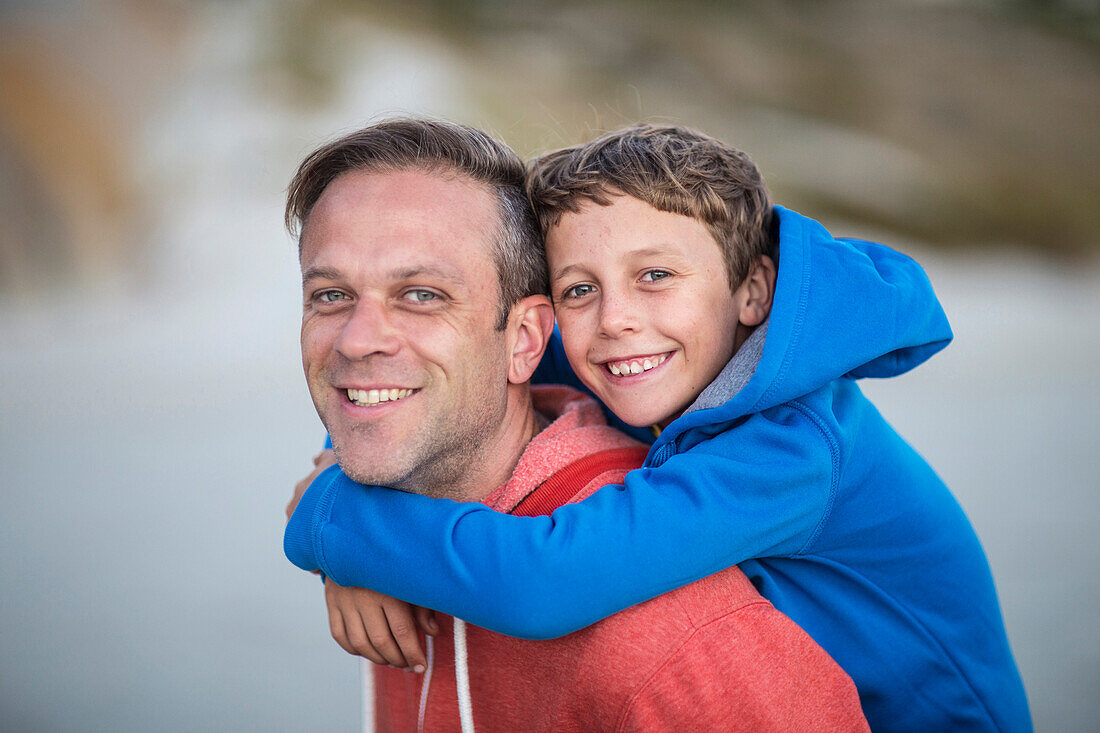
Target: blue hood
{"points": [[842, 307]]}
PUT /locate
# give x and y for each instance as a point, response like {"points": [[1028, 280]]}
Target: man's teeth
{"points": [[366, 397], [636, 366]]}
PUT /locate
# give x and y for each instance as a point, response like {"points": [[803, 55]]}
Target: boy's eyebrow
{"points": [[647, 251], [641, 252], [563, 271]]}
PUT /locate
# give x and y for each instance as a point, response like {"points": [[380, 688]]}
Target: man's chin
{"points": [[399, 479], [362, 472], [366, 453]]}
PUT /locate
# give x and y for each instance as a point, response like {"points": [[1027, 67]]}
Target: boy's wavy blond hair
{"points": [[674, 169]]}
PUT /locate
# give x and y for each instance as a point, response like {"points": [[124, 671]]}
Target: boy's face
{"points": [[644, 306]]}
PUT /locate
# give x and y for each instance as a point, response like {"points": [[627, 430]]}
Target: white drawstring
{"points": [[462, 679], [366, 683], [426, 686], [462, 685]]}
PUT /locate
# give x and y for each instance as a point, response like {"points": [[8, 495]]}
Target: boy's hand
{"points": [[378, 627], [366, 623], [321, 461]]}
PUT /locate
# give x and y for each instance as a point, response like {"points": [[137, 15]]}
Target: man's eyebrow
{"points": [[414, 271], [320, 273], [411, 272]]}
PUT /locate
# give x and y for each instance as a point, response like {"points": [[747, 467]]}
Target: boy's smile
{"points": [[635, 365], [643, 301]]}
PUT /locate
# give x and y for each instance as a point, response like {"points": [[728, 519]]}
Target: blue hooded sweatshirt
{"points": [[781, 466]]}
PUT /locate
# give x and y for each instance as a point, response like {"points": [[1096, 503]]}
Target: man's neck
{"points": [[492, 464]]}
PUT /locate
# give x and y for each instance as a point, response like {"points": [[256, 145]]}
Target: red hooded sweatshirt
{"points": [[713, 655]]}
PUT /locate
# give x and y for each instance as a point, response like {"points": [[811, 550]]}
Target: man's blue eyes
{"points": [[415, 296], [421, 296]]}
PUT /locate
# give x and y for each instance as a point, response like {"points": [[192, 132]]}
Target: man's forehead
{"points": [[410, 203], [393, 226], [411, 191]]}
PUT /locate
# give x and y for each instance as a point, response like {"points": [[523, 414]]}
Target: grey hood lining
{"points": [[735, 374]]}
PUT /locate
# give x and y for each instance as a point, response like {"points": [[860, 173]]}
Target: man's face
{"points": [[644, 305], [400, 299]]}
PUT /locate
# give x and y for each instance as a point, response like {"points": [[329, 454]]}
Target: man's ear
{"points": [[529, 327], [756, 291]]}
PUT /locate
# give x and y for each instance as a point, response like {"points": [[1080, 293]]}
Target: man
{"points": [[425, 314]]}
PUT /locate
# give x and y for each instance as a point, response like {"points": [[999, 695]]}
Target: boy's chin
{"points": [[635, 415], [643, 418]]}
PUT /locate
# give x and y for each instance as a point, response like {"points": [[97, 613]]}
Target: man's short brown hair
{"points": [[673, 169], [447, 148]]}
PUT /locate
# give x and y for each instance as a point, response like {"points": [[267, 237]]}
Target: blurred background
{"points": [[154, 416]]}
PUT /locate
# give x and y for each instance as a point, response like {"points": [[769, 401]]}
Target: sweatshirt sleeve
{"points": [[763, 491], [753, 670]]}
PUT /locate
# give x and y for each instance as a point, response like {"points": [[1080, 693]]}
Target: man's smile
{"points": [[372, 397]]}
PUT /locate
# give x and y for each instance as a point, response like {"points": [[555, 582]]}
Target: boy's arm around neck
{"points": [[762, 489]]}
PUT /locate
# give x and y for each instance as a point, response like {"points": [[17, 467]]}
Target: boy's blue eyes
{"points": [[579, 291]]}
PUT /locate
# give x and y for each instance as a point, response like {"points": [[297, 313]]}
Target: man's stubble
{"points": [[434, 460]]}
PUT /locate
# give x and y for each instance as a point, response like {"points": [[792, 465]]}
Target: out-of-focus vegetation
{"points": [[956, 123]]}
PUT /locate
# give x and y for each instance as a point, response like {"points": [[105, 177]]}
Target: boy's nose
{"points": [[617, 317], [367, 331]]}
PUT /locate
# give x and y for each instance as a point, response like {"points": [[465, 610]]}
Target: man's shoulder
{"points": [[643, 638], [716, 652], [709, 650], [610, 662], [685, 610]]}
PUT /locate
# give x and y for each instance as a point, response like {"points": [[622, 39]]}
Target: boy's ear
{"points": [[529, 327], [756, 291]]}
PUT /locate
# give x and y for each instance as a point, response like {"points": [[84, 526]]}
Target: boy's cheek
{"points": [[573, 339], [576, 351]]}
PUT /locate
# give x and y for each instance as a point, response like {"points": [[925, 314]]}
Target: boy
{"points": [[767, 454]]}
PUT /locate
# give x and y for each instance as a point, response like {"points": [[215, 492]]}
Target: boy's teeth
{"points": [[363, 397], [635, 366]]}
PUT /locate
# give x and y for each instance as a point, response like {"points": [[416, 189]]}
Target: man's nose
{"points": [[618, 314], [367, 331]]}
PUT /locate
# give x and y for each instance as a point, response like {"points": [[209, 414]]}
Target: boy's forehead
{"points": [[631, 226]]}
